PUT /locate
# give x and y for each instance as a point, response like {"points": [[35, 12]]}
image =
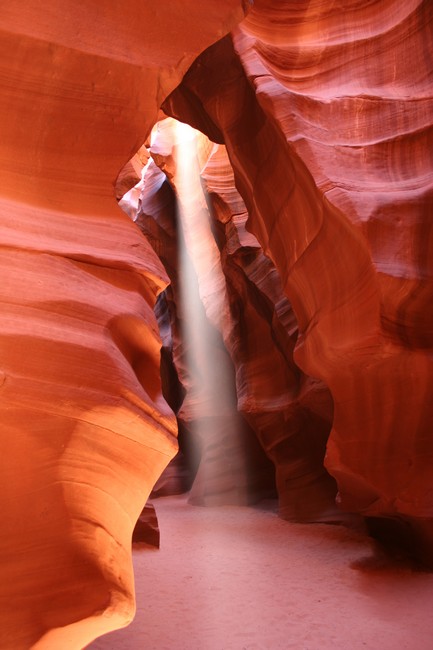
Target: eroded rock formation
{"points": [[327, 125], [85, 430], [328, 130]]}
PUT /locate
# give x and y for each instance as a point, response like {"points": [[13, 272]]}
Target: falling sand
{"points": [[234, 578]]}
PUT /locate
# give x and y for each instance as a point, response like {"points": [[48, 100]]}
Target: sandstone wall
{"points": [[85, 430], [327, 124]]}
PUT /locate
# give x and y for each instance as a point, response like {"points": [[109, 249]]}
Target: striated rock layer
{"points": [[328, 126], [290, 412], [327, 121], [85, 429]]}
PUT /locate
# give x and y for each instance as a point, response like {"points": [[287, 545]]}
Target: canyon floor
{"points": [[235, 578]]}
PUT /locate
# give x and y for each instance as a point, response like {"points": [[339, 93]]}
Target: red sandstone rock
{"points": [[130, 175], [85, 430], [328, 128], [329, 134], [291, 413], [146, 530]]}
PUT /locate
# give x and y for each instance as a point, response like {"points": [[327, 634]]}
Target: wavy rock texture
{"points": [[327, 124], [85, 430], [290, 412]]}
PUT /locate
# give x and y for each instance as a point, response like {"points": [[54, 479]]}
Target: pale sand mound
{"points": [[233, 578]]}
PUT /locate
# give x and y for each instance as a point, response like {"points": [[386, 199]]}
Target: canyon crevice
{"points": [[310, 262]]}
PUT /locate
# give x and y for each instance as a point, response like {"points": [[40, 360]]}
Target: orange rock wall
{"points": [[327, 124], [327, 120], [290, 412], [85, 430]]}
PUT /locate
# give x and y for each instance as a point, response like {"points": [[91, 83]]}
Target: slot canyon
{"points": [[216, 324]]}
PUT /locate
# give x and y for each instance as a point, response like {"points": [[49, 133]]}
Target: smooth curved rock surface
{"points": [[328, 128], [85, 430], [290, 412]]}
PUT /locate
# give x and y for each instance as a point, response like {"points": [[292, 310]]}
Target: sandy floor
{"points": [[241, 579]]}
